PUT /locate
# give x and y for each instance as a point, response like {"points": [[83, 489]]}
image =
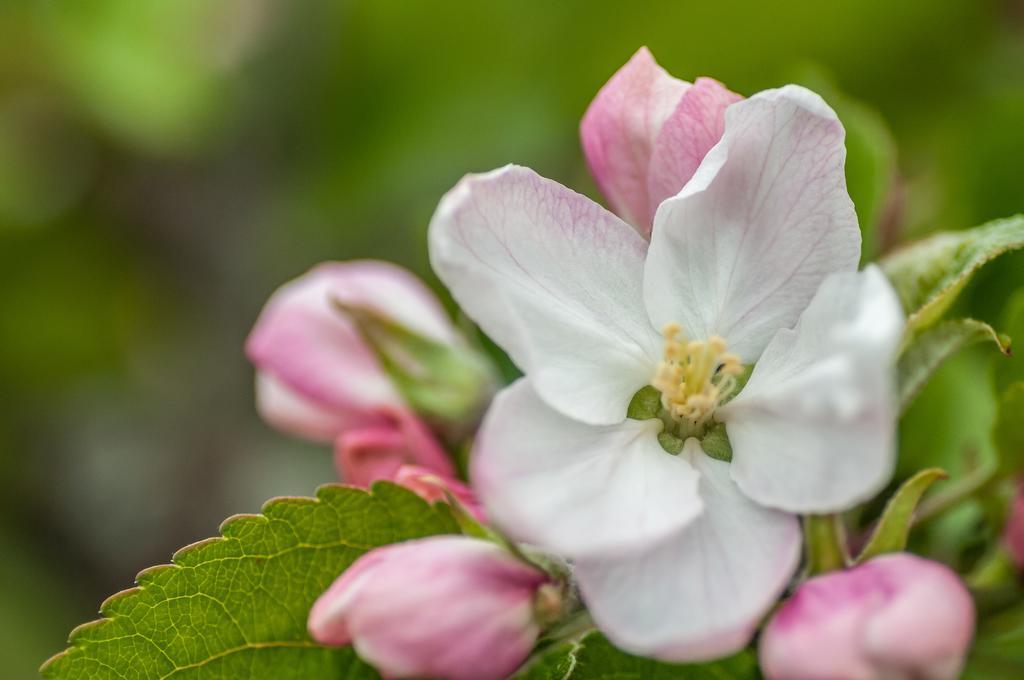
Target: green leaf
{"points": [[1009, 372], [929, 274], [236, 606], [1008, 432], [593, 657], [892, 530], [936, 344]]}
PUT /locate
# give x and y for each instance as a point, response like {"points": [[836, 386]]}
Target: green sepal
{"points": [[448, 384], [741, 382], [926, 353], [645, 404], [893, 528], [716, 443], [670, 442]]}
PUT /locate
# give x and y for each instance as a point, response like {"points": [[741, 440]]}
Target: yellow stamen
{"points": [[695, 376]]}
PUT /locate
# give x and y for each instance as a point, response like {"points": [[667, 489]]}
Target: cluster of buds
{"points": [[362, 355]]}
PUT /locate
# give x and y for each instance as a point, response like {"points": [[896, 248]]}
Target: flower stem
{"points": [[825, 543]]}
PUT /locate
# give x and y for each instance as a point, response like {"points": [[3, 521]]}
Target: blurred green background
{"points": [[165, 164]]}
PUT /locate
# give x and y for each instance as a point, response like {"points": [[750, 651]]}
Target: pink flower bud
{"points": [[449, 607], [436, 488], [316, 377], [364, 456], [1013, 534], [646, 133], [898, 617]]}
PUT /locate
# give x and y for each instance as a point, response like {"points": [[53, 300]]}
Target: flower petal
{"points": [[577, 489], [619, 131], [555, 280], [292, 412], [741, 250], [701, 593], [312, 350], [694, 127], [366, 455], [813, 430]]}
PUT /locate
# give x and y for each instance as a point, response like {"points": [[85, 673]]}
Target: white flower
{"points": [[753, 262]]}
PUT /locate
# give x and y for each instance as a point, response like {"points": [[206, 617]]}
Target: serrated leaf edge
{"points": [[148, 573]]}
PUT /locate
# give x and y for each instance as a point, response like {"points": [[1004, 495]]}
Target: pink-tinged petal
{"points": [[619, 131], [577, 489], [740, 251], [695, 126], [813, 431], [701, 593], [292, 412], [555, 280], [434, 488], [308, 346], [364, 456], [394, 293], [1013, 535], [897, 616], [450, 607]]}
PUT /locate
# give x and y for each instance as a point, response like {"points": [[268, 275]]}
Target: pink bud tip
{"points": [[646, 133]]}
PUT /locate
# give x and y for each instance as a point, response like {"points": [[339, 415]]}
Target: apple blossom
{"points": [[318, 377], [898, 616], [678, 553], [448, 607]]}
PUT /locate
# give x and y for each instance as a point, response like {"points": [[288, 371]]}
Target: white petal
{"points": [[742, 248], [556, 281], [577, 489], [701, 593], [813, 430]]}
